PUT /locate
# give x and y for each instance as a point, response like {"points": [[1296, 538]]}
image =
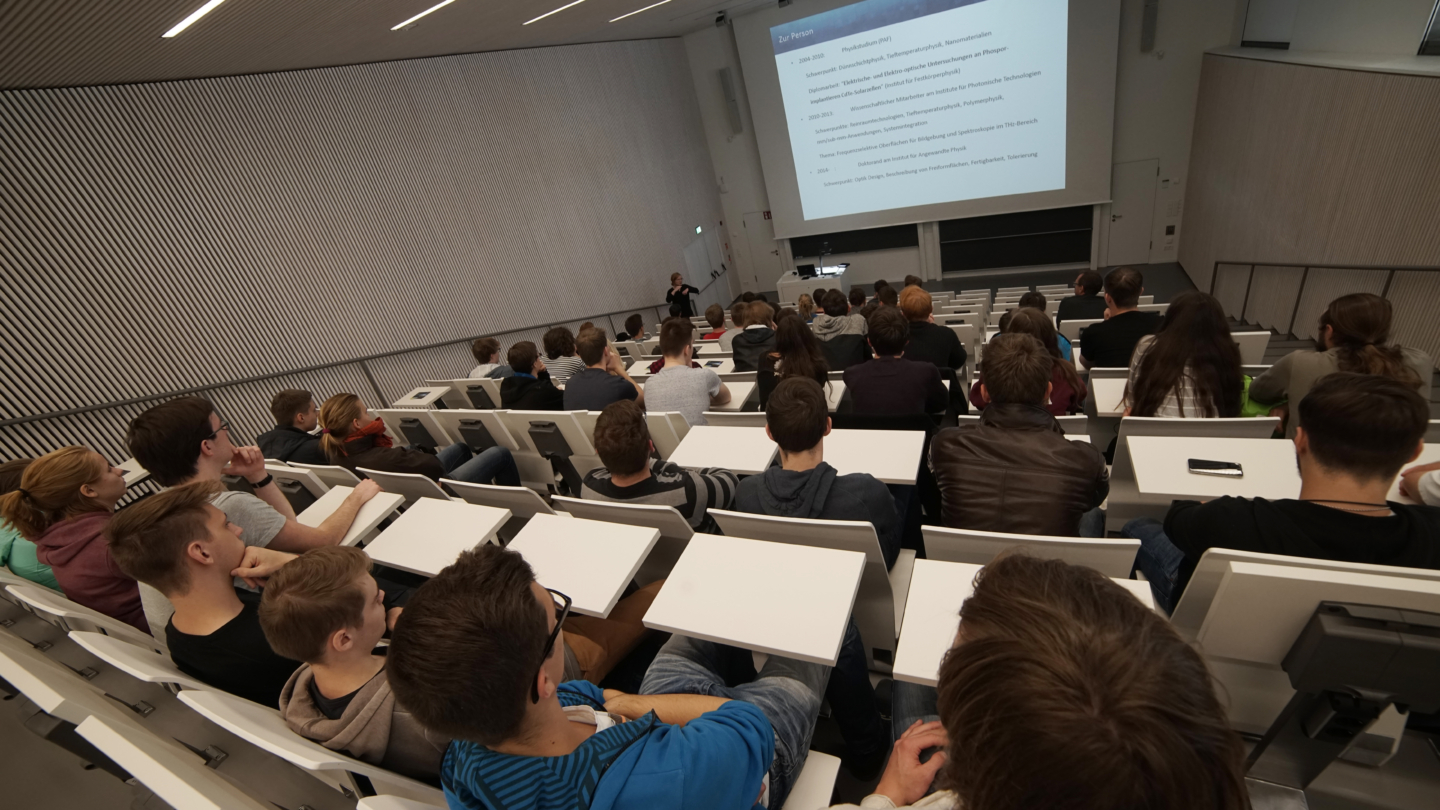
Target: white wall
{"points": [[1345, 26], [736, 158]]}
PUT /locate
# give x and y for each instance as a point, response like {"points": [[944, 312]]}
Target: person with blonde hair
{"points": [[355, 438], [678, 296], [63, 503], [805, 307]]}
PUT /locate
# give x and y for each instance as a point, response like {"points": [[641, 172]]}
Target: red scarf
{"points": [[375, 429]]}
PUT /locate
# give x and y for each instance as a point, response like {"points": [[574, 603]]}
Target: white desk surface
{"points": [[732, 590], [740, 393], [587, 560], [1109, 395], [742, 450], [1162, 467], [422, 397], [640, 369], [375, 510], [1429, 455], [893, 456], [835, 391], [432, 533], [932, 616]]}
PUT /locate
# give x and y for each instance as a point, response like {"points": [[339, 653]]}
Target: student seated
{"points": [[804, 486], [929, 342], [16, 551], [737, 319], [183, 440], [633, 474], [757, 338], [530, 388], [604, 379], [1015, 471], [1354, 336], [1190, 369], [634, 328], [887, 297], [1110, 344], [880, 285], [841, 334], [913, 281], [857, 299], [63, 502], [1355, 433], [324, 608], [1035, 300], [1086, 304], [805, 307], [891, 384], [1063, 690], [477, 659], [797, 354], [715, 316], [679, 385], [356, 438], [1067, 390], [177, 542], [292, 438], [487, 352], [560, 358]]}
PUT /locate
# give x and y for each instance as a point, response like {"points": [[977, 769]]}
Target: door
{"points": [[764, 253], [1132, 192]]}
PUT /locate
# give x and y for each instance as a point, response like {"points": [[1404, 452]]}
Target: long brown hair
{"points": [[49, 490], [1031, 321], [1361, 334], [1066, 691], [1194, 345], [337, 417], [799, 349]]}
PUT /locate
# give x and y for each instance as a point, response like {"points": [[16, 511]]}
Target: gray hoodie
{"points": [[372, 729], [824, 494], [827, 326]]}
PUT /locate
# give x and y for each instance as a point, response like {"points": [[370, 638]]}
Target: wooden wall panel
{"points": [[1297, 165]]}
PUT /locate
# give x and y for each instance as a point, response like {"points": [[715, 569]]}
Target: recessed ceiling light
{"points": [[198, 13], [638, 10], [548, 13], [433, 8]]}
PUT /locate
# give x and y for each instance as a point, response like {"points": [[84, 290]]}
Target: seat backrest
{"points": [[735, 418], [393, 803], [453, 421], [70, 616], [1152, 307], [176, 775], [1113, 558], [1077, 425], [522, 502], [565, 422], [305, 478], [1252, 346], [137, 662], [1236, 428], [662, 433], [1071, 329], [52, 686], [413, 486], [665, 518], [395, 419], [846, 535], [330, 474], [264, 727]]}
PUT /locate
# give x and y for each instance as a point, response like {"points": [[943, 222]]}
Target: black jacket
{"points": [[1081, 308], [749, 345], [531, 393], [935, 344], [843, 351], [287, 443]]}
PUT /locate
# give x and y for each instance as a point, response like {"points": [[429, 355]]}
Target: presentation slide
{"points": [[899, 103]]}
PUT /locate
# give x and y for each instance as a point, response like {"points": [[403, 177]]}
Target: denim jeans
{"points": [[786, 690], [852, 699], [910, 702], [1158, 559], [1092, 523], [495, 465]]}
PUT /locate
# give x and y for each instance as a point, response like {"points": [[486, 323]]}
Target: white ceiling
{"points": [[63, 43]]}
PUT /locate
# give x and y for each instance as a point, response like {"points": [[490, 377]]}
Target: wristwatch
{"points": [[263, 482]]}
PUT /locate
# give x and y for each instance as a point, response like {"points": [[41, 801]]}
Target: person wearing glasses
{"points": [[477, 657]]}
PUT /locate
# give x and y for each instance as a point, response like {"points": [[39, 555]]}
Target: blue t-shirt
{"points": [[593, 389]]}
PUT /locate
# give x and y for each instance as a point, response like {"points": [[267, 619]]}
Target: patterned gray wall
{"points": [[157, 237]]}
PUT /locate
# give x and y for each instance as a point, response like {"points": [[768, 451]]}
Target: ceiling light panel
{"points": [[195, 15]]}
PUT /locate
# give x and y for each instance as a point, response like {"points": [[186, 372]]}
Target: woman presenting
{"points": [[679, 295]]}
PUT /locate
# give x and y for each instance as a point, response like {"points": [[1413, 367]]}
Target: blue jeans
{"points": [[1158, 559], [1092, 523], [910, 702], [786, 690], [852, 699], [495, 465]]}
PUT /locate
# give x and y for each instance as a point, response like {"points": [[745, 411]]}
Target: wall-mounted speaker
{"points": [[732, 101]]}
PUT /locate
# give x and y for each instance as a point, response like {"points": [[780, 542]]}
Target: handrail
{"points": [[180, 392], [1305, 274]]}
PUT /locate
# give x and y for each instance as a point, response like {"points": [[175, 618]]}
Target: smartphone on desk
{"points": [[714, 363], [1229, 469]]}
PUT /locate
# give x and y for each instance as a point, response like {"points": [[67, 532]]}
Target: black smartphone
{"points": [[1229, 469], [714, 363]]}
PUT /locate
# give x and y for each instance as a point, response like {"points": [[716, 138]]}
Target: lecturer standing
{"points": [[679, 294]]}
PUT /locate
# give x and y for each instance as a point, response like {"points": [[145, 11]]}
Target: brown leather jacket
{"points": [[1016, 472]]}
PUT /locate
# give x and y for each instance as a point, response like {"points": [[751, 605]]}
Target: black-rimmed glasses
{"points": [[562, 609], [216, 432]]}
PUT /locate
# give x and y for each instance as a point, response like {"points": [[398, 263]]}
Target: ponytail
{"points": [[49, 491], [21, 512], [1381, 360], [337, 417]]}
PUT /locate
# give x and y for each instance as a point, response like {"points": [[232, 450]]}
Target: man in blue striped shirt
{"points": [[476, 656]]}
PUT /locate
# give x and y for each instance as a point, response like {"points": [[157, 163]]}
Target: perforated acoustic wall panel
{"points": [[158, 237]]}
